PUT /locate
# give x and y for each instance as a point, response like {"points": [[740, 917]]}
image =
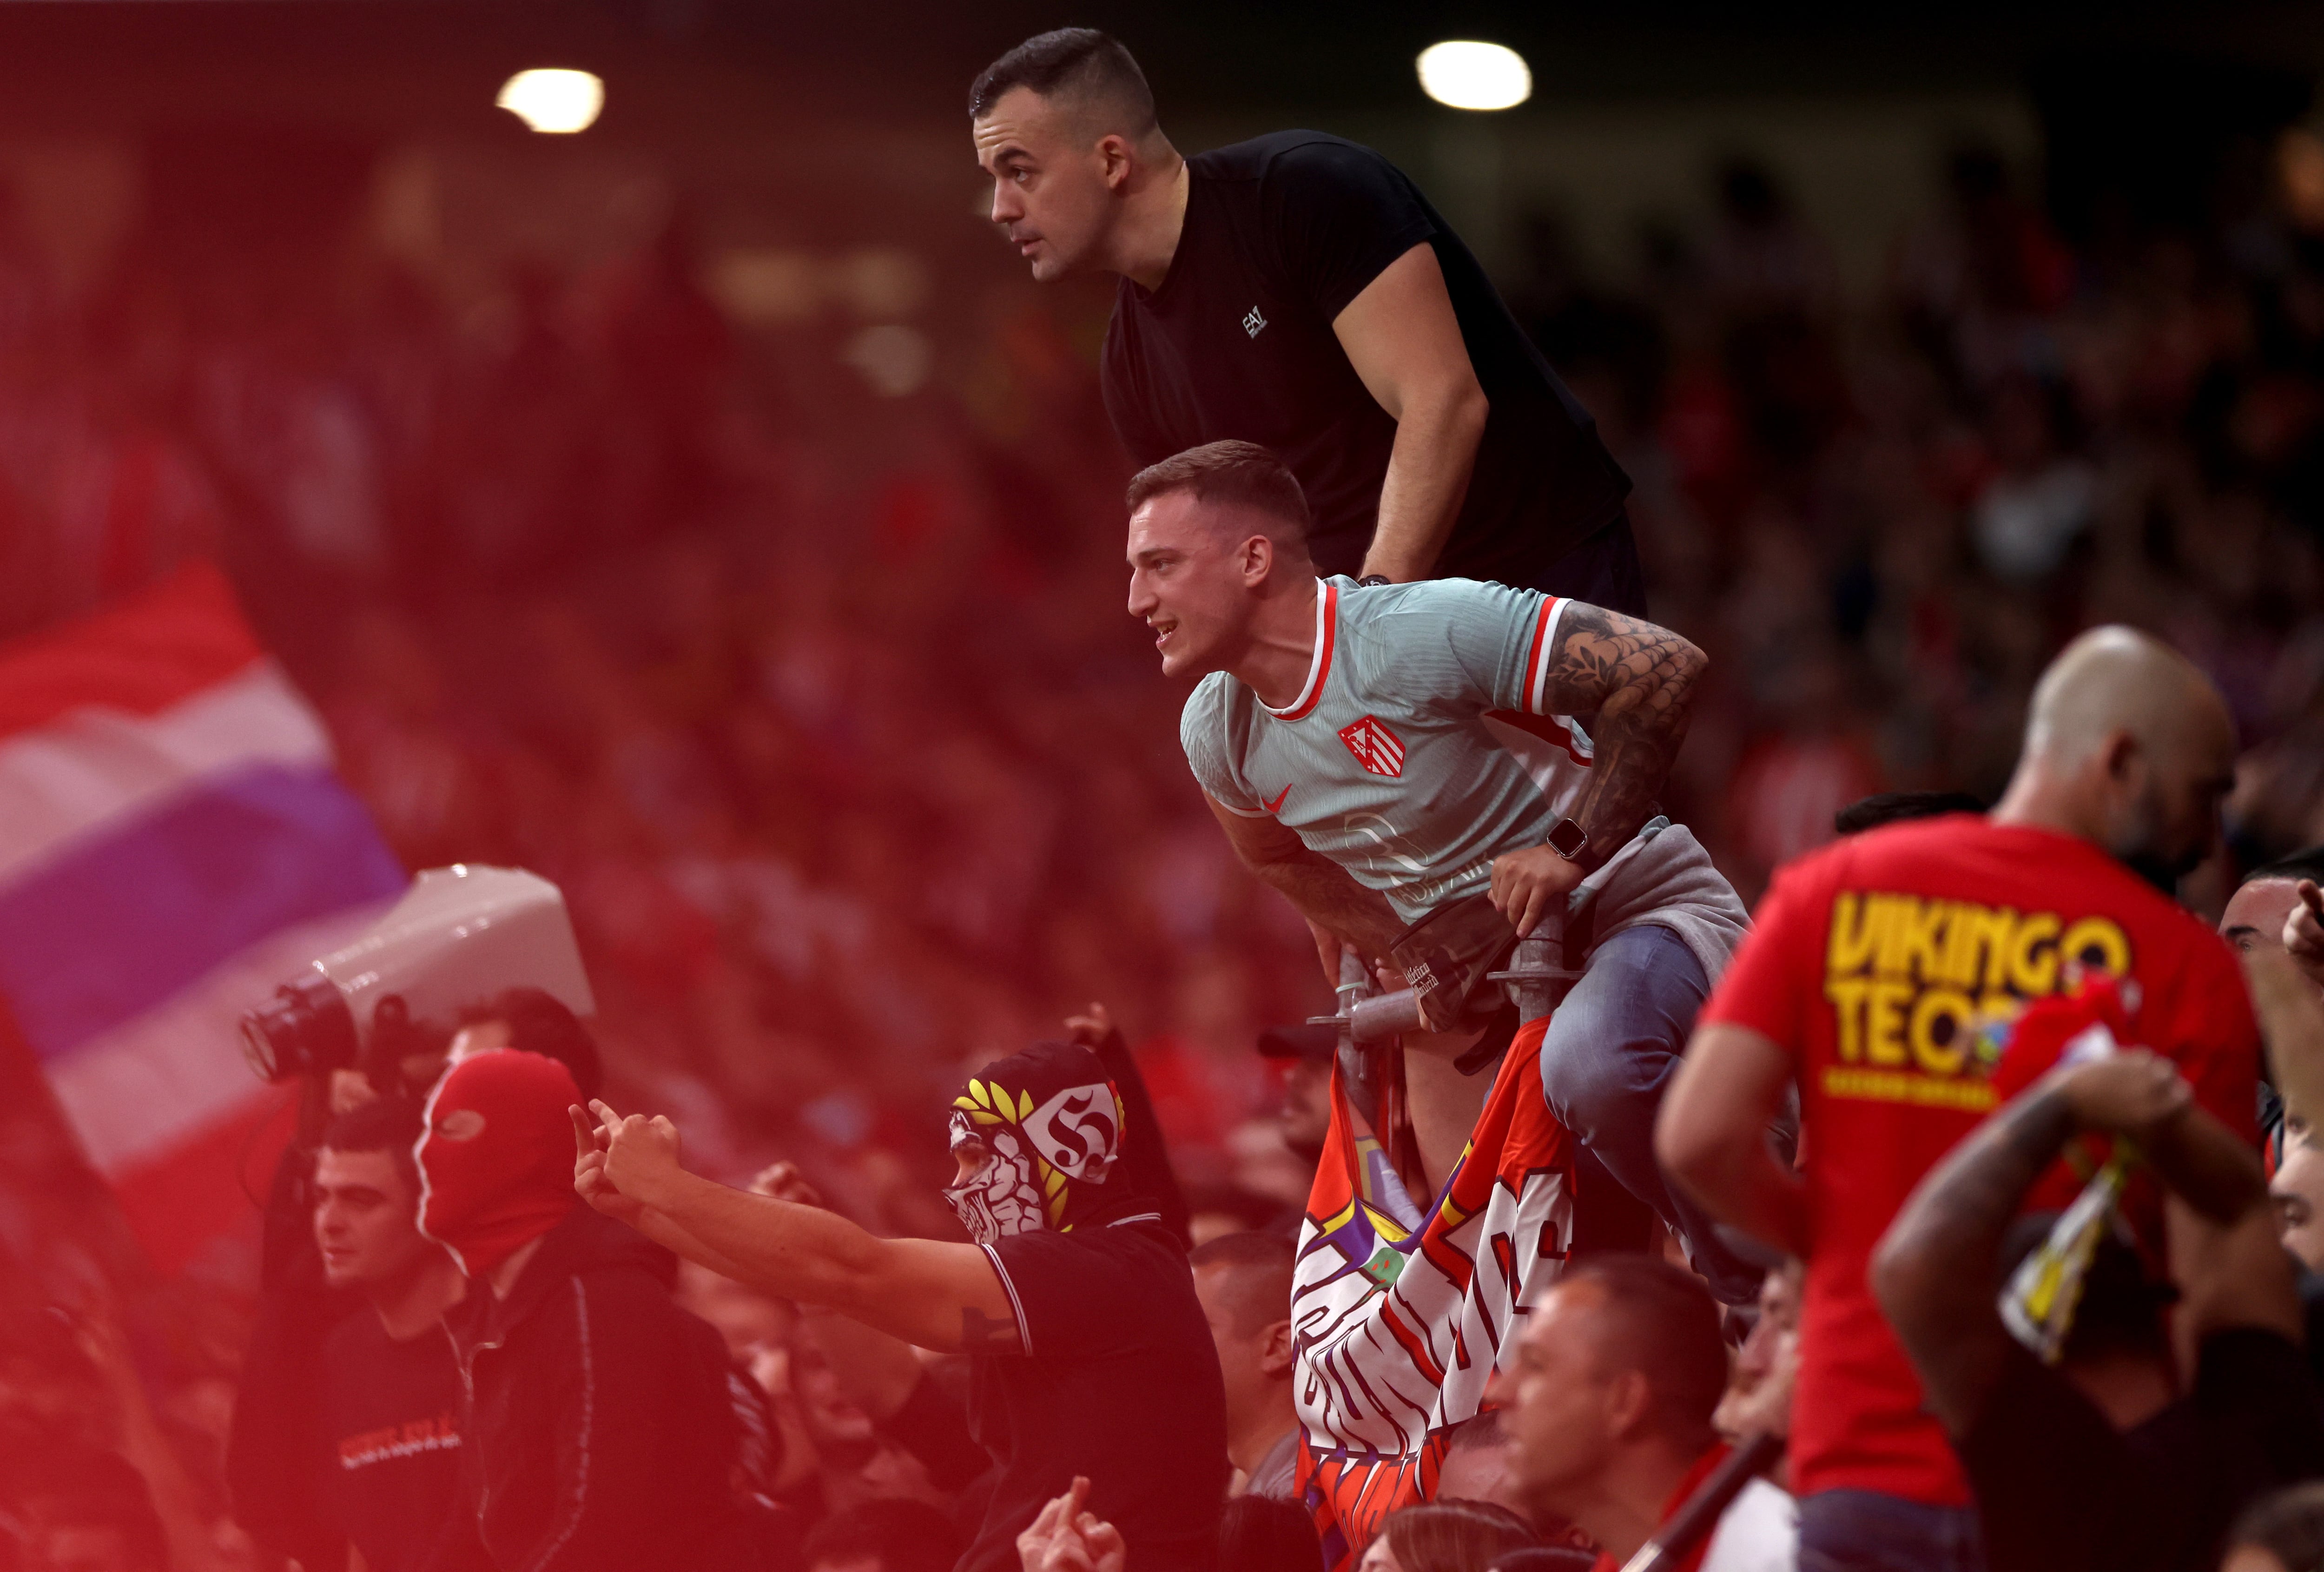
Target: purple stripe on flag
{"points": [[120, 923]]}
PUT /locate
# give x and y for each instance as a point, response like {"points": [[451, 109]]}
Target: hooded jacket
{"points": [[601, 1431]]}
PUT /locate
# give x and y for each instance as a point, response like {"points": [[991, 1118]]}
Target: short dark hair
{"points": [[1897, 806], [1235, 474], [1078, 63], [389, 1125], [2307, 863], [1259, 1533], [901, 1535], [1661, 1321], [1263, 1256], [1452, 1536], [540, 1022]]}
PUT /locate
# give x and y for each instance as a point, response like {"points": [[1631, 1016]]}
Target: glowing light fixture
{"points": [[553, 100], [1469, 75]]}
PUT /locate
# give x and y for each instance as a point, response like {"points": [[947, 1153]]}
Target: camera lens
{"points": [[305, 1027]]}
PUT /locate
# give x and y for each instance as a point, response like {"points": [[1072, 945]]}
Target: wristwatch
{"points": [[1569, 840], [1370, 579]]}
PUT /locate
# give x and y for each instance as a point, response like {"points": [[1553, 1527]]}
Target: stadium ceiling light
{"points": [[556, 101], [1469, 75]]}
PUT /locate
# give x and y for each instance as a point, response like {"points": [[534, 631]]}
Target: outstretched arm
{"points": [[940, 1296], [1634, 683]]}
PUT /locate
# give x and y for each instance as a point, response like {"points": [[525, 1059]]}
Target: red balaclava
{"points": [[496, 1159]]}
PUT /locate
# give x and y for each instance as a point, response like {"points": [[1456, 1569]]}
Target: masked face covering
{"points": [[496, 1159], [1050, 1123]]}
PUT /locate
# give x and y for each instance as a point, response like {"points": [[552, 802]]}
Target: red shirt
{"points": [[1891, 966]]}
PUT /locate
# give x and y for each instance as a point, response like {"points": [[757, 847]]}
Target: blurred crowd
{"points": [[821, 707]]}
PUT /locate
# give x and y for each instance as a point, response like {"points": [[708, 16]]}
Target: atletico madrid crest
{"points": [[1374, 746]]}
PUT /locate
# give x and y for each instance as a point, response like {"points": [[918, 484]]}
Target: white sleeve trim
{"points": [[1537, 681], [1016, 1305]]}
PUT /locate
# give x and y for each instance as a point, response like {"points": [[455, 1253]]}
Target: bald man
{"points": [[1884, 973]]}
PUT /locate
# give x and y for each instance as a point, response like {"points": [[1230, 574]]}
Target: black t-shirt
{"points": [[392, 1424], [2059, 1488], [1281, 233], [1118, 1382]]}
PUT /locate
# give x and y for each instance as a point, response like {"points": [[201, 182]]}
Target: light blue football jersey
{"points": [[1418, 751]]}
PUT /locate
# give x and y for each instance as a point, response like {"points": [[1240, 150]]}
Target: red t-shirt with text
{"points": [[1891, 966]]}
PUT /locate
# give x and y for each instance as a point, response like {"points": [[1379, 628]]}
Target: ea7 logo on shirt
{"points": [[1376, 748], [1253, 322]]}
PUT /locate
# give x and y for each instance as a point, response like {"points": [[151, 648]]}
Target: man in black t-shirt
{"points": [[2099, 1461], [1089, 1353], [389, 1427], [1298, 292]]}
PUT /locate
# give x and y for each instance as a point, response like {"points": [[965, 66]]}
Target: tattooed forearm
{"points": [[1632, 684], [1324, 894]]}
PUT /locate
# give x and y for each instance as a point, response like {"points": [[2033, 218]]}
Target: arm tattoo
{"points": [[1325, 893], [1633, 684]]}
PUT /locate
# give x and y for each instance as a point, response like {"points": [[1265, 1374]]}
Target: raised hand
{"points": [[590, 1180], [1091, 1027], [641, 1154], [2303, 930], [2130, 1093], [1053, 1542], [782, 1182], [1103, 1543]]}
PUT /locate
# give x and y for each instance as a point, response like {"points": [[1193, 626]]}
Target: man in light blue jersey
{"points": [[1378, 752]]}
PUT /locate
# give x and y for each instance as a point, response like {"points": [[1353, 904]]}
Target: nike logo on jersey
{"points": [[1376, 748], [1280, 796], [1253, 322]]}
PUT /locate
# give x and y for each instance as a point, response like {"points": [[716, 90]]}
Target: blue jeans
{"points": [[1610, 1049], [1860, 1531]]}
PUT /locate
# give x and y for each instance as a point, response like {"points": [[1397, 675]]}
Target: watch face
{"points": [[1567, 839]]}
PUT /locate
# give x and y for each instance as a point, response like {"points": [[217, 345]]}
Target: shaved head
{"points": [[1087, 76], [1083, 177], [1251, 1276], [2118, 680], [2127, 744]]}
